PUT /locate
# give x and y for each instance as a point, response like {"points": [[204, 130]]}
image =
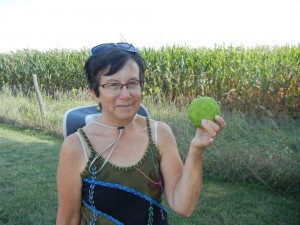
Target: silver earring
{"points": [[99, 107]]}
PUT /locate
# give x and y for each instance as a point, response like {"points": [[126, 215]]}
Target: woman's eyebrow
{"points": [[117, 81], [112, 81]]}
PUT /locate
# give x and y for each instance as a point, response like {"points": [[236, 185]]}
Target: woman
{"points": [[115, 169]]}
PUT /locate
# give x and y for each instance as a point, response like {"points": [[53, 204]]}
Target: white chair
{"points": [[78, 117]]}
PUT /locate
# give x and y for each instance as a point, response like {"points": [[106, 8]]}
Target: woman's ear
{"points": [[96, 99], [94, 96]]}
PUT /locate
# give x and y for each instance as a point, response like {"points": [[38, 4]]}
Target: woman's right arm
{"points": [[69, 181]]}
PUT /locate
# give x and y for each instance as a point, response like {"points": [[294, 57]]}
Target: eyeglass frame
{"points": [[120, 45], [122, 85]]}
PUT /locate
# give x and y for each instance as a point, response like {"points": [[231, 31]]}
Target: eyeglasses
{"points": [[97, 50], [115, 88]]}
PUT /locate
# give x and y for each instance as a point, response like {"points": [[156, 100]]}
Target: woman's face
{"points": [[120, 104]]}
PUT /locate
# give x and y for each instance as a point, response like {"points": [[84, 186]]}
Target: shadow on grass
{"points": [[28, 176]]}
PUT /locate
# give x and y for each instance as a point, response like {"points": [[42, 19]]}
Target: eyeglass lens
{"points": [[117, 87]]}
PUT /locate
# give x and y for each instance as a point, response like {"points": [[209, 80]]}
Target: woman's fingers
{"points": [[210, 128], [208, 132], [213, 129], [220, 121]]}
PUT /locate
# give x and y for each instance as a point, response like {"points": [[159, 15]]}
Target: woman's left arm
{"points": [[183, 182]]}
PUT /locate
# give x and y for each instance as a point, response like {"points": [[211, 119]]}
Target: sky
{"points": [[77, 24]]}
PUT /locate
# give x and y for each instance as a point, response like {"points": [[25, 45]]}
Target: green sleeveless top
{"points": [[123, 195]]}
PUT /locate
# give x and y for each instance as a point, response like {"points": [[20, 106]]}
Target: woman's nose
{"points": [[124, 92]]}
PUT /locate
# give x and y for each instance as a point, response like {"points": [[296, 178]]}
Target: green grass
{"points": [[28, 189], [28, 176], [232, 203], [259, 149], [264, 149]]}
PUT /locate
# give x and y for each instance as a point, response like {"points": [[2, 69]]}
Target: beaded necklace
{"points": [[112, 144]]}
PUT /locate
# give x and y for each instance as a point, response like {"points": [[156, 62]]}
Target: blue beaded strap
{"points": [[124, 188], [97, 212]]}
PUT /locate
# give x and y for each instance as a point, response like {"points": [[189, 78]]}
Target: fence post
{"points": [[39, 96]]}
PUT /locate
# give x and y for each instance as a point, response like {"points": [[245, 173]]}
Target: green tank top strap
{"points": [[149, 131], [153, 147], [92, 151]]}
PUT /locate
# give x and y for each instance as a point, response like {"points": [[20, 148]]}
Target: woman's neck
{"points": [[114, 123]]}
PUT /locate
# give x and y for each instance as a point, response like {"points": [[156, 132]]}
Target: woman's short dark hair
{"points": [[111, 59]]}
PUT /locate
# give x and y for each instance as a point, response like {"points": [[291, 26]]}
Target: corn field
{"points": [[255, 80]]}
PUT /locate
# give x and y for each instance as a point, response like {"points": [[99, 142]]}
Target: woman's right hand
{"points": [[209, 131]]}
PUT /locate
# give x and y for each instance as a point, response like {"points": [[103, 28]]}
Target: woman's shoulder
{"points": [[160, 125], [72, 153], [71, 144], [163, 136], [161, 131]]}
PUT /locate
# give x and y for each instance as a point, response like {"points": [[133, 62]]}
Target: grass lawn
{"points": [[28, 189]]}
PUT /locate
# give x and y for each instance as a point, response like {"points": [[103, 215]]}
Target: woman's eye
{"points": [[114, 86], [133, 84]]}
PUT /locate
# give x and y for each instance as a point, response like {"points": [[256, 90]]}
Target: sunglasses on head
{"points": [[97, 50]]}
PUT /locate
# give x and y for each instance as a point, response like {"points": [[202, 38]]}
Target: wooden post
{"points": [[39, 96]]}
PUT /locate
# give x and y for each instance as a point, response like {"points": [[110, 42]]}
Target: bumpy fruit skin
{"points": [[203, 108]]}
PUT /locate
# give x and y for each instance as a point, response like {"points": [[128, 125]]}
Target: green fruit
{"points": [[203, 108]]}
